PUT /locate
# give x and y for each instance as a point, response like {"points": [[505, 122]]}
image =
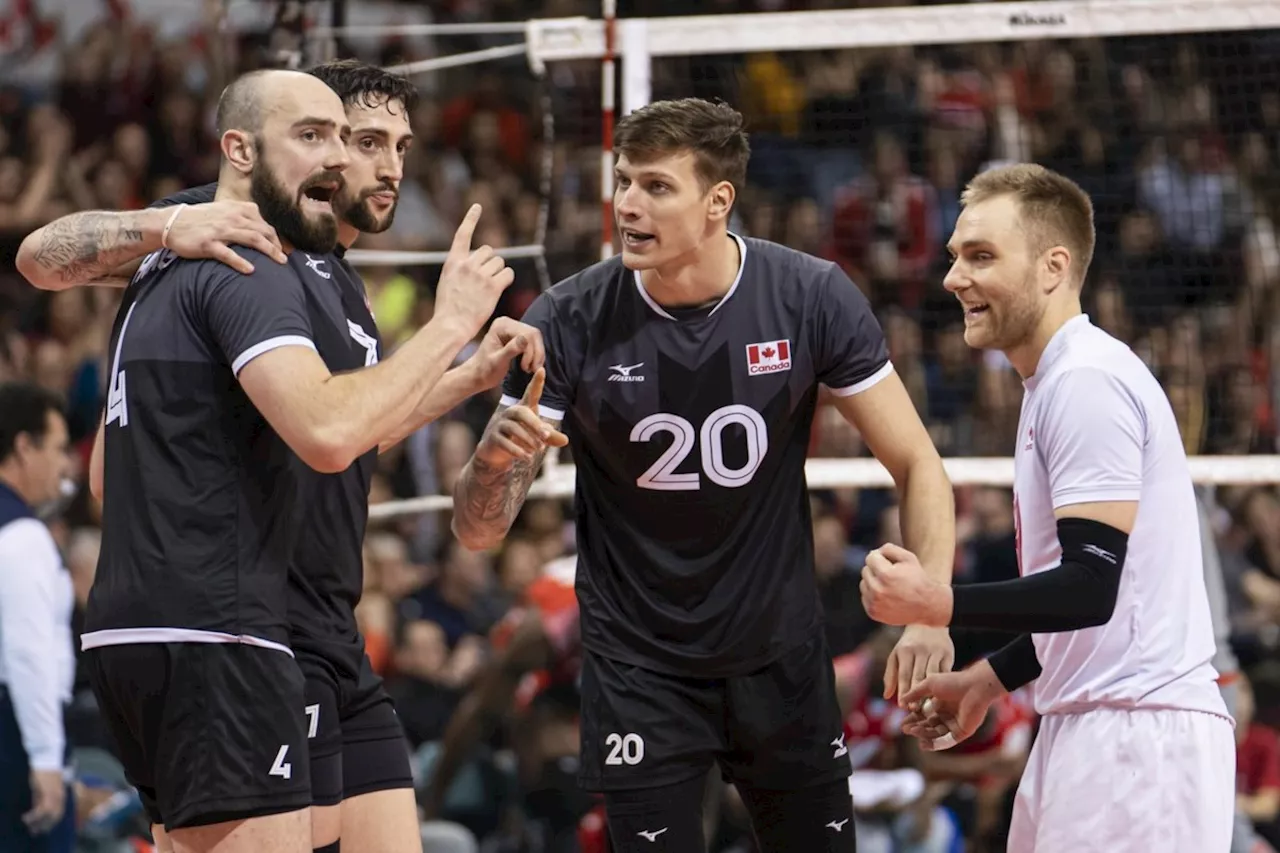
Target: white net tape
{"points": [[557, 481], [640, 40]]}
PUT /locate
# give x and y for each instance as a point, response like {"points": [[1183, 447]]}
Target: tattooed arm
{"points": [[106, 247], [495, 483], [94, 246]]}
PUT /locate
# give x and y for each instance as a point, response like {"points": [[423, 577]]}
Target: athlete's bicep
{"points": [[888, 422], [1118, 514], [284, 385], [849, 350], [1091, 436]]}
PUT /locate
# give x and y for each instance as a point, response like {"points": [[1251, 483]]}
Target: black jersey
{"points": [[202, 499], [327, 570], [689, 430]]}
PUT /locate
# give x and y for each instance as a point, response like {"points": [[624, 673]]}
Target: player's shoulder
{"points": [[787, 266], [194, 195], [1099, 370], [1093, 355], [584, 294]]}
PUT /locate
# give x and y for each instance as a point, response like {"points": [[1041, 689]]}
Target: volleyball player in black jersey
{"points": [[685, 375]]}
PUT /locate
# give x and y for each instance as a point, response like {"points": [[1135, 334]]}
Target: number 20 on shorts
{"points": [[624, 749]]}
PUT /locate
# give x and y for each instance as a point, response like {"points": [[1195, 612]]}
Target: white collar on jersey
{"points": [[1056, 347], [742, 265]]}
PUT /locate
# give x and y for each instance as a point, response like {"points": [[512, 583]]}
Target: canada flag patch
{"points": [[768, 357]]}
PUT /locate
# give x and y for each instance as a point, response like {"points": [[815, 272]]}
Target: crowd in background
{"points": [[859, 157]]}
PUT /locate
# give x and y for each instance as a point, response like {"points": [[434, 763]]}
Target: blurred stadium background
{"points": [[866, 121]]}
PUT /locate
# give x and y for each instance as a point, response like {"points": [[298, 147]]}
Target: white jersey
{"points": [[1096, 426]]}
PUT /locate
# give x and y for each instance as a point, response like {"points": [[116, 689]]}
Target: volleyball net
{"points": [[865, 125]]}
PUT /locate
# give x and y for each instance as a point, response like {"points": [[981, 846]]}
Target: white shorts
{"points": [[1127, 782]]}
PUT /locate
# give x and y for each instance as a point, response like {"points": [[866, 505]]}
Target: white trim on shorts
{"points": [[132, 636]]}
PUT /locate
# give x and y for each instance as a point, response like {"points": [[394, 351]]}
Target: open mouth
{"points": [[633, 239], [318, 197], [971, 311], [321, 192]]}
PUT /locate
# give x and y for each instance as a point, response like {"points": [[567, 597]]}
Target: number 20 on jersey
{"points": [[662, 475]]}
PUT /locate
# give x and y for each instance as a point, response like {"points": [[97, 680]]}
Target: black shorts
{"points": [[207, 732], [779, 728], [356, 741]]}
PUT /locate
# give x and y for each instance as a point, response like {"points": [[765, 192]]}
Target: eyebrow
{"points": [[380, 133], [646, 173], [313, 121], [968, 244]]}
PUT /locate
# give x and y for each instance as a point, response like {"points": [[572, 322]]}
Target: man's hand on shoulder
{"points": [[201, 231]]}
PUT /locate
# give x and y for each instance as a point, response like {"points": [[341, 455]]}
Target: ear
{"points": [[1057, 263], [239, 151], [22, 443], [720, 200]]}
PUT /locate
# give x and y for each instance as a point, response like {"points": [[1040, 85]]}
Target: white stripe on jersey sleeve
{"points": [[545, 411], [267, 346], [863, 385]]}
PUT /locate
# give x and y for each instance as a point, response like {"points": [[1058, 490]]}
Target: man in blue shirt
{"points": [[37, 660]]}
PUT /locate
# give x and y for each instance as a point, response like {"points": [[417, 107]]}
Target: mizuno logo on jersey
{"points": [[768, 357], [314, 264], [623, 374]]}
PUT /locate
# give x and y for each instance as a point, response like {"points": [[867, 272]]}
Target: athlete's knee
{"points": [[816, 819], [653, 820]]}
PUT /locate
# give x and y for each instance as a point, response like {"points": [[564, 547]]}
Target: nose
{"points": [[391, 168], [336, 157], [954, 281], [625, 202]]}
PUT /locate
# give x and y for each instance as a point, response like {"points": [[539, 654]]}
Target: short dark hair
{"points": [[712, 131], [358, 83], [24, 408]]}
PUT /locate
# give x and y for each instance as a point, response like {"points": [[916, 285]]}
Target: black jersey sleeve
{"points": [[564, 355], [248, 315], [194, 195], [849, 346]]}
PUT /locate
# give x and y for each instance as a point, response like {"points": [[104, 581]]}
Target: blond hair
{"points": [[1055, 211]]}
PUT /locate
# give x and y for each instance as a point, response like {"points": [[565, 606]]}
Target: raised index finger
{"points": [[462, 237], [533, 393]]}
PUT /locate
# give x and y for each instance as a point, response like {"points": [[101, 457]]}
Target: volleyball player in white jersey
{"points": [[1135, 751]]}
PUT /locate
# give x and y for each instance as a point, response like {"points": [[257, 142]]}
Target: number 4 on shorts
{"points": [[280, 767]]}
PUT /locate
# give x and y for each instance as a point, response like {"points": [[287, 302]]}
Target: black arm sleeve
{"points": [[1016, 664], [1079, 593]]}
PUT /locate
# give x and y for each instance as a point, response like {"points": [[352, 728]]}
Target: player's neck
{"points": [[1025, 357], [347, 234], [702, 275]]}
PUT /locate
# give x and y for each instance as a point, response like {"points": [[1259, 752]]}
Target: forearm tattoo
{"points": [[492, 497], [87, 246]]}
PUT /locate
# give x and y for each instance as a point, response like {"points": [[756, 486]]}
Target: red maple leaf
{"points": [[768, 353]]}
